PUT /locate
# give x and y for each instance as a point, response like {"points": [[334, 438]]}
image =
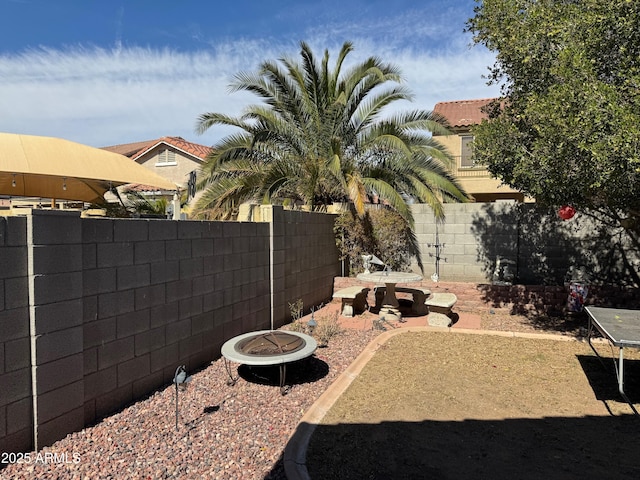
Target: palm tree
{"points": [[320, 137]]}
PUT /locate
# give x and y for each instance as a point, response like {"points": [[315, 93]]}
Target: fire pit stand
{"points": [[267, 348]]}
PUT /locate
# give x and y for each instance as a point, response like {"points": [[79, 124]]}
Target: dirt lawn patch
{"points": [[462, 406]]}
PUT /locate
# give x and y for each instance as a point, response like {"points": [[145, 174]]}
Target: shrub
{"points": [[328, 327], [296, 309], [381, 232]]}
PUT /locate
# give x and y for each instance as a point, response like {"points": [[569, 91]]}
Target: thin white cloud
{"points": [[104, 97]]}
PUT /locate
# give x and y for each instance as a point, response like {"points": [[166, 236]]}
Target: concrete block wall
{"points": [[54, 244], [546, 250], [96, 313], [158, 294], [460, 255], [15, 362], [305, 259]]}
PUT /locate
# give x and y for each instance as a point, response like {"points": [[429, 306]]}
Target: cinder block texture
{"points": [[133, 276], [49, 259], [13, 261], [57, 287], [59, 344], [16, 292], [57, 316], [54, 227], [160, 230], [58, 427], [97, 230], [61, 372], [129, 230], [19, 415], [15, 385], [16, 354], [57, 402], [134, 369], [116, 352], [116, 304], [115, 254], [149, 252], [14, 324], [13, 231]]}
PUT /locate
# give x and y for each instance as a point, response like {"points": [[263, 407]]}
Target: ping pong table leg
{"points": [[620, 374], [621, 371], [619, 367]]}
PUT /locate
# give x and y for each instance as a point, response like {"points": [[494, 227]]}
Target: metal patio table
{"points": [[621, 327]]}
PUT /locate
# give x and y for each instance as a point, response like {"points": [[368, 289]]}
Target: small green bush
{"points": [[296, 309]]}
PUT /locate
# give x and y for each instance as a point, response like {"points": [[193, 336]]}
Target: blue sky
{"points": [[109, 72]]}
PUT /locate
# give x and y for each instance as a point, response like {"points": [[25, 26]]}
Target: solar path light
{"points": [[311, 325], [180, 379]]}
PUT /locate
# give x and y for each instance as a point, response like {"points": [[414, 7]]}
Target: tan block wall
{"points": [[544, 247]]}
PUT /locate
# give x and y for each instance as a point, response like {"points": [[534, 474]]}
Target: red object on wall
{"points": [[566, 212]]}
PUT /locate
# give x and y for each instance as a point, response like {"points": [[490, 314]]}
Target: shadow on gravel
{"points": [[307, 370]]}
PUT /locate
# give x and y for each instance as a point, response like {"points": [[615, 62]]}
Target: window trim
{"points": [[468, 157], [166, 158]]}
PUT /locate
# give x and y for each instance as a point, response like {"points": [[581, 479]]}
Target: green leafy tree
{"points": [[319, 136], [567, 130]]}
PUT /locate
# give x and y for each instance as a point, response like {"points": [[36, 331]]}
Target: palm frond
{"points": [[320, 135]]}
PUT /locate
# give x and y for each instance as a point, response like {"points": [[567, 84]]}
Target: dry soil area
{"points": [[464, 406]]}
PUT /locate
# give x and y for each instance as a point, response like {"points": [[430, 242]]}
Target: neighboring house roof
{"points": [[128, 149], [462, 113], [138, 187], [137, 149]]}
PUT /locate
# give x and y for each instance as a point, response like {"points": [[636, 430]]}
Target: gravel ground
{"points": [[225, 432]]}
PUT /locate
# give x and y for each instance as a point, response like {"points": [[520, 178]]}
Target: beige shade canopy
{"points": [[47, 167]]}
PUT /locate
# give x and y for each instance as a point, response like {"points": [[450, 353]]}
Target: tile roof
{"points": [[137, 187], [128, 149], [134, 150], [463, 113], [137, 149]]}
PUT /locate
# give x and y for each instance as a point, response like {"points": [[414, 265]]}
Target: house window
{"points": [[466, 151], [166, 158]]}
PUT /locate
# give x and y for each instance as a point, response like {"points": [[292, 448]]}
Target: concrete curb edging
{"points": [[295, 452]]}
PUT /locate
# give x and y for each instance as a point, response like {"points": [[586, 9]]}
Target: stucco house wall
{"points": [[176, 169], [462, 115]]}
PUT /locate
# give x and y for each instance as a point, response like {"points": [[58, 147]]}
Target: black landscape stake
{"points": [[180, 378]]}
